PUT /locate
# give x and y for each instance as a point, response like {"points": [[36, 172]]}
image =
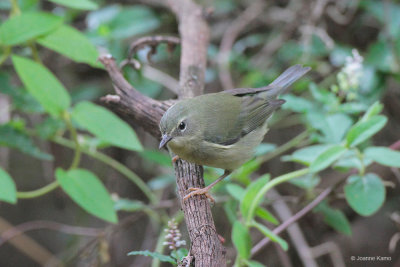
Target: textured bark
{"points": [[138, 109]]}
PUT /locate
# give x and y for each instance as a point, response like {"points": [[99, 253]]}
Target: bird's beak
{"points": [[164, 140]]}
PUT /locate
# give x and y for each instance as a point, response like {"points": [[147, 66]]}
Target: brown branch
{"points": [[138, 109], [205, 244]]}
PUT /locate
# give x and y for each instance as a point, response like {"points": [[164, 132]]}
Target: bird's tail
{"points": [[281, 84]]}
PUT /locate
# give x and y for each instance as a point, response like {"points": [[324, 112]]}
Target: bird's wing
{"points": [[254, 111]]}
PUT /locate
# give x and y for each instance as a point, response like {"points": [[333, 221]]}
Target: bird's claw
{"points": [[194, 191]]}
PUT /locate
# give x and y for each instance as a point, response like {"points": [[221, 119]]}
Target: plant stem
{"points": [[39, 192], [112, 163], [278, 180], [15, 8], [74, 135], [285, 147]]}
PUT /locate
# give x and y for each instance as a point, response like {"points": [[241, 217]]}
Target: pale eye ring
{"points": [[182, 126]]}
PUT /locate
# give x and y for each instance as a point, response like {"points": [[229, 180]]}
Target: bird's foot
{"points": [[175, 158], [198, 191]]}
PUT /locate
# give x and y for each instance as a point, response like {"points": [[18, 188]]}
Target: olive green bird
{"points": [[222, 129]]}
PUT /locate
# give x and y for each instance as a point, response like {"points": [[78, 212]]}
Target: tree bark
{"points": [[137, 109]]}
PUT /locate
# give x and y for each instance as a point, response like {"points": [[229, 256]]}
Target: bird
{"points": [[222, 129]]}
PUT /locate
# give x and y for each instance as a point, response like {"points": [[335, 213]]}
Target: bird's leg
{"points": [[204, 191]]}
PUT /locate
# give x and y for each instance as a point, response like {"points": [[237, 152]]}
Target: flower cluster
{"points": [[173, 236], [349, 77]]}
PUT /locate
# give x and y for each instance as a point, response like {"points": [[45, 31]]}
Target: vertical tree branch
{"points": [[205, 244]]}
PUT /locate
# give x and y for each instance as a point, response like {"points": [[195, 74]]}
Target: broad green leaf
{"points": [[365, 194], [243, 173], [351, 160], [154, 255], [49, 127], [21, 99], [335, 218], [43, 85], [373, 110], [72, 44], [14, 138], [268, 233], [241, 239], [307, 155], [308, 181], [263, 149], [157, 157], [24, 27], [266, 215], [132, 21], [297, 104], [88, 192], [8, 191], [327, 158], [365, 129], [249, 199], [77, 4], [106, 125], [236, 191], [383, 155]]}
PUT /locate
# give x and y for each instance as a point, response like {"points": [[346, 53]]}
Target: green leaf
{"points": [[375, 109], [365, 194], [241, 239], [297, 104], [365, 129], [384, 156], [8, 191], [326, 158], [307, 155], [268, 233], [308, 181], [49, 127], [266, 215], [249, 199], [106, 125], [263, 149], [21, 28], [13, 138], [335, 218], [154, 255], [236, 191], [72, 44], [157, 157], [131, 21], [21, 99], [88, 192], [77, 4], [243, 173], [43, 85], [351, 160]]}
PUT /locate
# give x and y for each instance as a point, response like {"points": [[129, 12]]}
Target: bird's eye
{"points": [[182, 126]]}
